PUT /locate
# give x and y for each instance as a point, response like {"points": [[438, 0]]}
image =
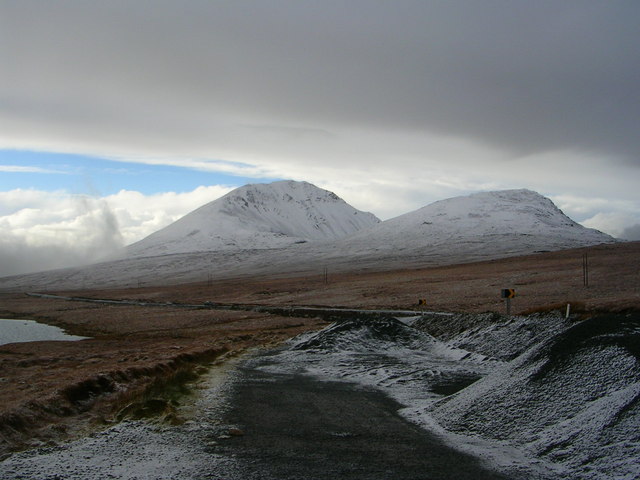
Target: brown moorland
{"points": [[542, 281], [52, 390]]}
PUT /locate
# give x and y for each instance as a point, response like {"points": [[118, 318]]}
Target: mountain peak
{"points": [[522, 208], [259, 216], [269, 195], [480, 225]]}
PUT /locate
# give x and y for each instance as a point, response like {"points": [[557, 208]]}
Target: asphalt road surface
{"points": [[297, 427]]}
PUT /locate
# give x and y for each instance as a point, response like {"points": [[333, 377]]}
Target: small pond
{"points": [[14, 331]]}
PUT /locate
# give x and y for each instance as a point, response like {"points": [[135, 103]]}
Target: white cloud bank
{"points": [[46, 230], [619, 225]]}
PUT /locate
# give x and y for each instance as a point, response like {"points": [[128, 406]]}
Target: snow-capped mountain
{"points": [[489, 223], [258, 216], [288, 227]]}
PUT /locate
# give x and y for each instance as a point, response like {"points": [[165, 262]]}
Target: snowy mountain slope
{"points": [[260, 216], [490, 223]]}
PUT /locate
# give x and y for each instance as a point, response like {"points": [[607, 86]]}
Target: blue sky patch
{"points": [[82, 174]]}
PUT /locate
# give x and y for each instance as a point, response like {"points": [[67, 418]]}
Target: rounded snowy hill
{"points": [[487, 224], [258, 216]]}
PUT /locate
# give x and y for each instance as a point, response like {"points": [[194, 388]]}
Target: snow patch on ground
{"points": [[494, 335], [128, 451], [410, 366], [566, 406], [573, 399], [141, 450]]}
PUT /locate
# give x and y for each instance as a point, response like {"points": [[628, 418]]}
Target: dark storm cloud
{"points": [[523, 76]]}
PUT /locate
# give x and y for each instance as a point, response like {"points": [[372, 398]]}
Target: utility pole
{"points": [[585, 269]]}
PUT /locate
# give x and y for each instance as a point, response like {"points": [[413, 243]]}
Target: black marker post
{"points": [[508, 294]]}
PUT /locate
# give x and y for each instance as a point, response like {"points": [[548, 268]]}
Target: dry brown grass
{"points": [[55, 389], [540, 280]]}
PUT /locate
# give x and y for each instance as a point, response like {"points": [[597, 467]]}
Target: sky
{"points": [[119, 117]]}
